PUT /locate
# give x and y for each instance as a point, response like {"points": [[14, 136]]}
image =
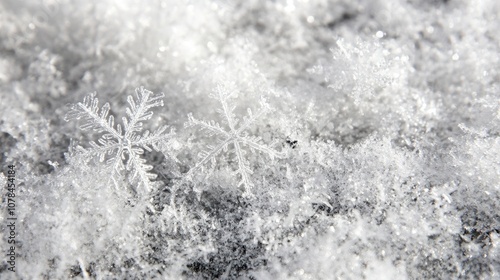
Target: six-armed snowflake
{"points": [[235, 135], [117, 145]]}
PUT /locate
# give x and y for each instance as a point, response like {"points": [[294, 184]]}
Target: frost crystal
{"points": [[235, 135], [122, 148]]}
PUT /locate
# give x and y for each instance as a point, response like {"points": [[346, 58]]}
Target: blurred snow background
{"points": [[388, 112]]}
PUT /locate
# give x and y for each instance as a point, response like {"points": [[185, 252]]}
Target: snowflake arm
{"points": [[140, 170], [140, 109], [252, 118], [97, 120], [212, 127], [226, 111], [102, 149], [253, 143], [154, 140], [210, 155], [88, 110], [116, 165], [243, 167]]}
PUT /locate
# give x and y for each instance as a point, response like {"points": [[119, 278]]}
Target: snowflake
{"points": [[234, 135], [122, 148]]}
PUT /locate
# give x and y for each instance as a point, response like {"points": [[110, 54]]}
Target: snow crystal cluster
{"points": [[286, 139]]}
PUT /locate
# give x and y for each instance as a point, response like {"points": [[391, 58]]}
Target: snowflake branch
{"points": [[140, 169], [153, 139], [243, 168], [215, 151], [89, 111], [141, 112], [215, 128], [263, 148], [252, 118]]}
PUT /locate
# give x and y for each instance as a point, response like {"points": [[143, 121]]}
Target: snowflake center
{"points": [[233, 135], [126, 142]]}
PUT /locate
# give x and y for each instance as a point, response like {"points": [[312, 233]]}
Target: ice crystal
{"points": [[121, 148], [235, 135]]}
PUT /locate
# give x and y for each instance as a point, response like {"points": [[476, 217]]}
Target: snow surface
{"points": [[307, 139]]}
